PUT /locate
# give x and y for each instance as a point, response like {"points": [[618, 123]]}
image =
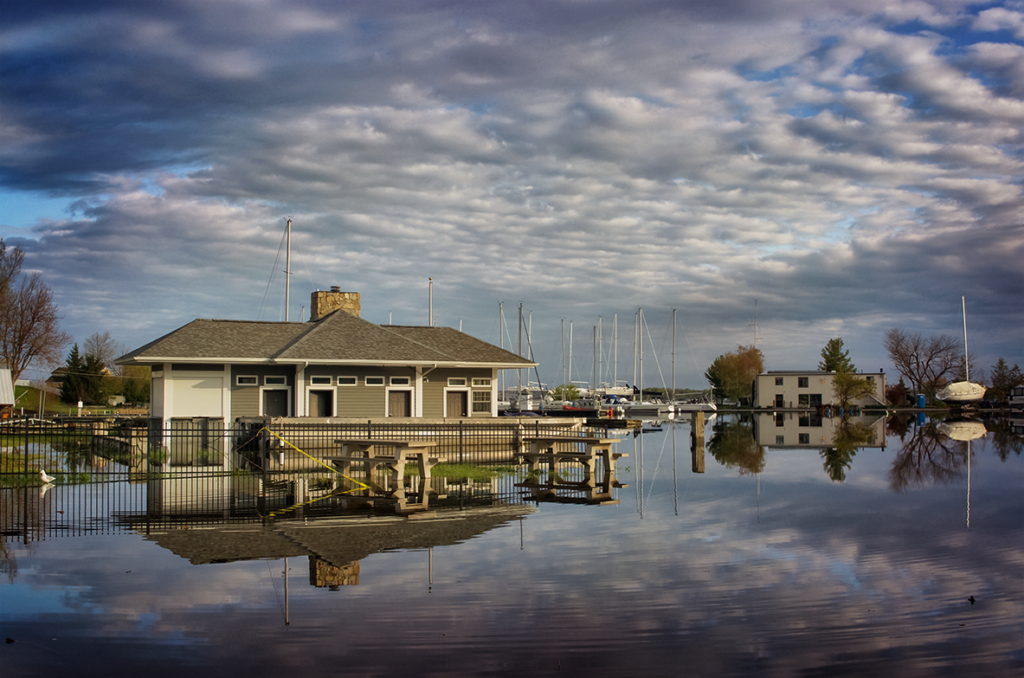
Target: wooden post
{"points": [[697, 441]]}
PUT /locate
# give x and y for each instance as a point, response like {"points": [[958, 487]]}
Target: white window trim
{"points": [[402, 381], [412, 399], [254, 377], [366, 381], [291, 406], [329, 382], [348, 376], [482, 385], [268, 377], [458, 382], [323, 387], [460, 389]]}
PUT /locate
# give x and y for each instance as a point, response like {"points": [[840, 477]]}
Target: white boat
{"points": [[647, 408], [701, 405], [962, 391]]}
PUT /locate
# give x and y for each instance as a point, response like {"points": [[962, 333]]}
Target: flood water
{"points": [[897, 555]]}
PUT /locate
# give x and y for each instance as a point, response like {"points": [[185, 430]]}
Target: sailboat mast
{"points": [[967, 362], [673, 354], [287, 267]]}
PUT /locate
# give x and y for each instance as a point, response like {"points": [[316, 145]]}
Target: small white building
{"points": [[6, 389], [808, 390]]}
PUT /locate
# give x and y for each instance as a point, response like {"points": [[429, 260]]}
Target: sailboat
{"points": [[962, 391]]}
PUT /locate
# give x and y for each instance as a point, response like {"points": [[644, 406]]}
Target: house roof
{"points": [[339, 338]]}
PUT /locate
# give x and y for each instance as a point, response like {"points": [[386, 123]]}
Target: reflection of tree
{"points": [[898, 425], [850, 437], [928, 457], [1004, 441], [733, 446]]}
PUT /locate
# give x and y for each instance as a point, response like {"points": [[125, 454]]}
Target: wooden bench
{"points": [[542, 451]]}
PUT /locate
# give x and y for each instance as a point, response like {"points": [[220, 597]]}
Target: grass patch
{"points": [[464, 472]]}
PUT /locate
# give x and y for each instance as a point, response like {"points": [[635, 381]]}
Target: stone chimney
{"points": [[325, 303]]}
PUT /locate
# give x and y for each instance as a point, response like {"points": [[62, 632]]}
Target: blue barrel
{"points": [[920, 400]]}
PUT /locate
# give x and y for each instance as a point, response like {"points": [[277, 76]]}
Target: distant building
{"points": [[335, 365], [6, 391], [808, 390]]}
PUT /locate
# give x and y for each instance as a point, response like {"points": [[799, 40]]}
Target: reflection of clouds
{"points": [[814, 576]]}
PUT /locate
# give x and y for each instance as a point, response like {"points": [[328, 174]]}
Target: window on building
{"points": [[780, 440], [399, 381], [456, 381], [805, 438], [803, 400], [375, 381], [320, 381], [246, 380], [778, 381], [801, 382], [481, 383], [270, 380], [481, 401], [347, 381], [779, 402], [780, 419]]}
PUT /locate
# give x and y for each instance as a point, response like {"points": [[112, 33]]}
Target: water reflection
{"points": [[816, 579]]}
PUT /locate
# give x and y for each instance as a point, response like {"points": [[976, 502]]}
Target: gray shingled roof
{"points": [[338, 338]]}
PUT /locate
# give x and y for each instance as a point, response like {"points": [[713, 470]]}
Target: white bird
{"points": [[46, 478]]}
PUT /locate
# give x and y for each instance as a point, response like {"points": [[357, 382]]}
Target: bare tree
{"points": [[105, 349], [29, 328], [924, 362]]}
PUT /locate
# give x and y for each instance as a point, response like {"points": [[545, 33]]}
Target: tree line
{"points": [[30, 336], [926, 364]]}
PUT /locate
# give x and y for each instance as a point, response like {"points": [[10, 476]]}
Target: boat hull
{"points": [[961, 392]]}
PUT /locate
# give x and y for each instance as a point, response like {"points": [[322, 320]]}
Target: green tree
{"points": [[1003, 379], [834, 358], [848, 387], [732, 374], [83, 380], [565, 392]]}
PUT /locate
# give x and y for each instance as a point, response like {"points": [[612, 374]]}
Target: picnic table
{"points": [[555, 449], [396, 454]]}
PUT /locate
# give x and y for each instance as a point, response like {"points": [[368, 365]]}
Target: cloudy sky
{"points": [[850, 166]]}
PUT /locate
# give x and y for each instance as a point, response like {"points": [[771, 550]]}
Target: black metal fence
{"points": [[81, 450]]}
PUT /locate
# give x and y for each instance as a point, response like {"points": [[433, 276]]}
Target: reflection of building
{"points": [[808, 429], [788, 390]]}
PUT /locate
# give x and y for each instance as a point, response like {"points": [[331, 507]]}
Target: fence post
{"points": [[26, 447], [461, 449]]}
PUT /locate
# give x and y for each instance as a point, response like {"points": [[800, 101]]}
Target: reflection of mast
{"points": [[968, 484], [287, 622], [675, 476]]}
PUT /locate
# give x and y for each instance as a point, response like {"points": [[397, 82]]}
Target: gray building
{"points": [[335, 365]]}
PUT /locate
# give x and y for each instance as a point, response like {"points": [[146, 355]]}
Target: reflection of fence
{"points": [[162, 502], [81, 449]]}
